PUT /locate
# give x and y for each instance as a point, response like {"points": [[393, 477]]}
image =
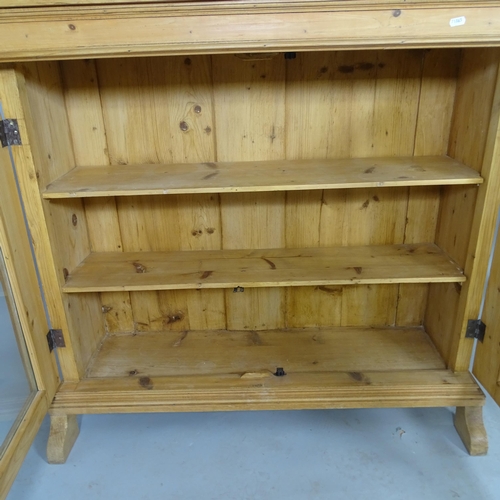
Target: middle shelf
{"points": [[277, 175], [375, 264]]}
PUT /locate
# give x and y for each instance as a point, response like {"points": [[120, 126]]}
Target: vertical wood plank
{"points": [[460, 205], [372, 217], [83, 104], [172, 98], [310, 133], [421, 221], [309, 306], [377, 216], [437, 96], [343, 105], [249, 103], [129, 120]]}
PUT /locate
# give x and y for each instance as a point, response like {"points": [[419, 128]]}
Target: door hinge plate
{"points": [[55, 338], [9, 133], [476, 329]]}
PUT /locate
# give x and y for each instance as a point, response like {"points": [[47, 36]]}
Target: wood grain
{"points": [[241, 6], [30, 162], [338, 106], [475, 229], [90, 34], [172, 97], [220, 352], [18, 274], [470, 427], [116, 271], [66, 225], [12, 458], [291, 175], [487, 358], [85, 118], [381, 389], [435, 111], [468, 137], [249, 106], [63, 433]]}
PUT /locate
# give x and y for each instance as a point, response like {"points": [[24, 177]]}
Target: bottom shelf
{"points": [[229, 370]]}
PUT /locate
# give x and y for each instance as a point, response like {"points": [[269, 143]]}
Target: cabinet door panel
{"points": [[28, 375], [487, 359]]}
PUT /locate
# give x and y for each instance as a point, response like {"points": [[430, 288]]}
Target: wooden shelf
{"points": [[339, 367], [117, 271], [257, 354], [127, 180]]}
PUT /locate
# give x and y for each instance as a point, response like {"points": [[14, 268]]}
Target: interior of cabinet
{"points": [[215, 217]]}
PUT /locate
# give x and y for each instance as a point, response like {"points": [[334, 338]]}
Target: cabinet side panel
{"points": [[160, 110], [249, 100], [86, 123], [435, 109], [349, 104], [66, 220], [459, 213], [58, 230]]}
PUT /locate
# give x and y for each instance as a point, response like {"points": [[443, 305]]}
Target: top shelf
{"points": [[281, 175]]}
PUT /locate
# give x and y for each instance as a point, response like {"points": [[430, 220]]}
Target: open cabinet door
{"points": [[28, 370], [487, 359]]}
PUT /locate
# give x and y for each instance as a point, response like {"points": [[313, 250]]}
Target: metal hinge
{"points": [[9, 133], [55, 338], [475, 329]]}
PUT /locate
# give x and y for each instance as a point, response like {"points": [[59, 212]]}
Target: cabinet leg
{"points": [[63, 433], [470, 427]]}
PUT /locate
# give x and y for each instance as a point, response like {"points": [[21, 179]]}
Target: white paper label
{"points": [[457, 21]]}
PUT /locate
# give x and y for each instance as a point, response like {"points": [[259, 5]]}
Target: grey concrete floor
{"points": [[343, 454]]}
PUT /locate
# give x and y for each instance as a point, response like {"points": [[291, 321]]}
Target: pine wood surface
{"points": [[381, 389], [13, 94], [482, 229], [256, 354], [470, 127], [64, 430], [436, 100], [487, 357], [116, 271], [336, 103], [12, 458], [470, 427], [59, 233], [29, 322], [162, 94], [291, 175], [224, 121], [249, 106], [90, 146], [89, 32], [194, 5], [148, 114]]}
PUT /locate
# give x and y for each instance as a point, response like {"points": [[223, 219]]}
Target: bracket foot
{"points": [[63, 433], [470, 427]]}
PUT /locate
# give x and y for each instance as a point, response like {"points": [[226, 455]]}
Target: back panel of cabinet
{"points": [[223, 108], [226, 108]]}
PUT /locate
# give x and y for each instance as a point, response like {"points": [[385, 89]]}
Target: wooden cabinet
{"points": [[260, 207]]}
